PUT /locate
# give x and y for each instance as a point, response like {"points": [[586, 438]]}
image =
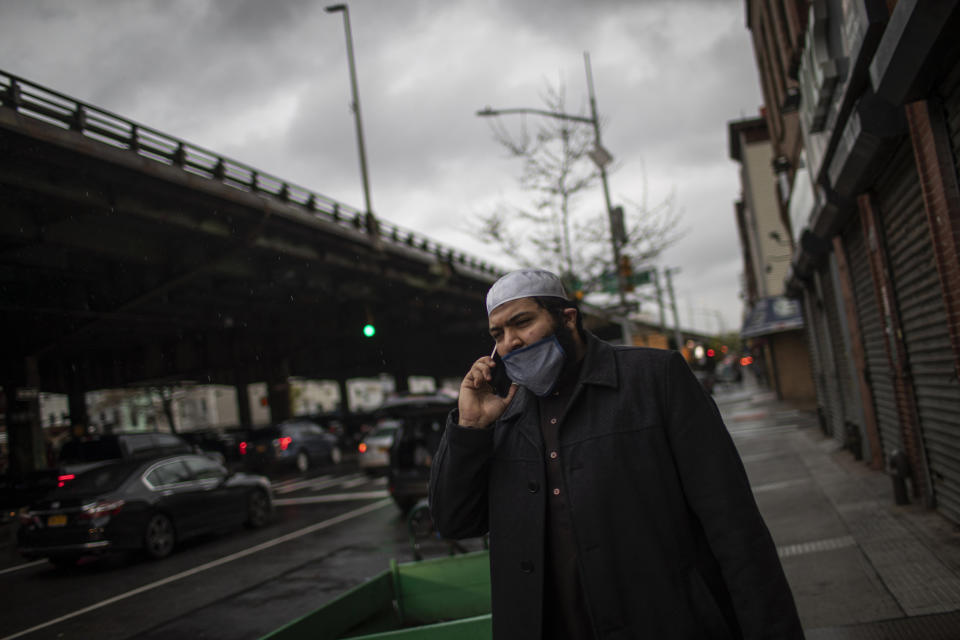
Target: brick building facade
{"points": [[862, 101]]}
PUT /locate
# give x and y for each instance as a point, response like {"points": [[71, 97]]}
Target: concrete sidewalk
{"points": [[860, 567]]}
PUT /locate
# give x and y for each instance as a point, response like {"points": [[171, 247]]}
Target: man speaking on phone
{"points": [[616, 503]]}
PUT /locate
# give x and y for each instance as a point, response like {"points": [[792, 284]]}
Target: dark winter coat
{"points": [[670, 541]]}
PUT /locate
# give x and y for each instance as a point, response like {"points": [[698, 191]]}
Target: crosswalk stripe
{"points": [[318, 484], [297, 481], [332, 497]]}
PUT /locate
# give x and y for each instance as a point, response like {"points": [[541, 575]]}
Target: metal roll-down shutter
{"points": [[872, 332], [919, 298]]}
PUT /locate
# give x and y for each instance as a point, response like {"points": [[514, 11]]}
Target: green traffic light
{"points": [[369, 330]]}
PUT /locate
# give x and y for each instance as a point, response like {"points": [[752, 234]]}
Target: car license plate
{"points": [[261, 448], [57, 521]]}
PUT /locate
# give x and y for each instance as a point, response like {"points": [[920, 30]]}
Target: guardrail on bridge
{"points": [[35, 101]]}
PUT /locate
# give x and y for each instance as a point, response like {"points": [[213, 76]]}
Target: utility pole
{"points": [[721, 326], [602, 157], [673, 303], [663, 310]]}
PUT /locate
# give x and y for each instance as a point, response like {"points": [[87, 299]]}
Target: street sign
{"points": [[632, 306], [610, 284]]}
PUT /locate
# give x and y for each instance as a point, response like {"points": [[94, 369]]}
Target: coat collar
{"points": [[599, 368]]}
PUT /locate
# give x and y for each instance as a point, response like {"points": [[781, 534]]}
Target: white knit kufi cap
{"points": [[524, 283]]}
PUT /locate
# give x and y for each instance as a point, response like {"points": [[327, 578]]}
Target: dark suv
{"points": [[297, 443], [421, 419]]}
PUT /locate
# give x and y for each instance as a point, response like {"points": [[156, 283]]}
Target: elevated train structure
{"points": [[129, 257]]}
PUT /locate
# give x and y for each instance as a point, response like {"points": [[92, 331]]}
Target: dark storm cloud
{"points": [[266, 83], [568, 18], [255, 21]]}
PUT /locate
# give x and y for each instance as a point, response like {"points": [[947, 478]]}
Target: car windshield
{"points": [[266, 433], [76, 451], [384, 428], [99, 480]]}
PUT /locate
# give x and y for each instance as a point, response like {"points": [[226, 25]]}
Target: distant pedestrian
{"points": [[616, 503]]}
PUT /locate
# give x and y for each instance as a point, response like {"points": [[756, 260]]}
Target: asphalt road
{"points": [[330, 532]]}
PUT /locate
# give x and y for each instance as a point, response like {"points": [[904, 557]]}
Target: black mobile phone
{"points": [[501, 382]]}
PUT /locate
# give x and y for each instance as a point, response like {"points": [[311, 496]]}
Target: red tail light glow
{"points": [[243, 448], [65, 478], [746, 361], [285, 442], [362, 447]]}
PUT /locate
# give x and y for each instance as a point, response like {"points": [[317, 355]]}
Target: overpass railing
{"points": [[35, 101]]}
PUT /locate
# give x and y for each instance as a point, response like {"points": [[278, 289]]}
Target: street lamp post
{"points": [[342, 8], [601, 157]]}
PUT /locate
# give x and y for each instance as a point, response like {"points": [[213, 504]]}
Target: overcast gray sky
{"points": [[266, 83]]}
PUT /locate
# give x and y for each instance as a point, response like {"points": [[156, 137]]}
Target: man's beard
{"points": [[571, 365]]}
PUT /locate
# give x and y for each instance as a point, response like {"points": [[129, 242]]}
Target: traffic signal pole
{"points": [[660, 305], [673, 303], [614, 240]]}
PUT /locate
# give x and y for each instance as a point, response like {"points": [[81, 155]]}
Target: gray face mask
{"points": [[537, 366]]}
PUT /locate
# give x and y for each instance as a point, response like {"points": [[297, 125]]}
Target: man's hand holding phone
{"points": [[485, 392]]}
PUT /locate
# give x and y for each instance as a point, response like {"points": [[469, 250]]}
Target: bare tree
{"points": [[553, 231]]}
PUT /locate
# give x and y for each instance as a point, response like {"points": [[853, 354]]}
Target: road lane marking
{"points": [[332, 497], [293, 535], [21, 566]]}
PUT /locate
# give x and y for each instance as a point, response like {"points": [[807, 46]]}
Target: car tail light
{"points": [[284, 442], [362, 447], [100, 508], [65, 478], [243, 448]]}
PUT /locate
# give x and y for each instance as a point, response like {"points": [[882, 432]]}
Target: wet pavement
{"points": [[860, 566]]}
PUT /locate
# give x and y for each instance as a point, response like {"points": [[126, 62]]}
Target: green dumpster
{"points": [[438, 599]]}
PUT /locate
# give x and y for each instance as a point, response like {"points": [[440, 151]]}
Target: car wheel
{"points": [[258, 509], [158, 536], [303, 461], [336, 456]]}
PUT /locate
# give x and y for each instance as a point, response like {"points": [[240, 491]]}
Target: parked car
{"points": [[219, 443], [80, 454], [422, 418], [299, 444], [373, 452], [145, 505]]}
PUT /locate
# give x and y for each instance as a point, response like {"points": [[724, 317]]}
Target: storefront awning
{"points": [[772, 315]]}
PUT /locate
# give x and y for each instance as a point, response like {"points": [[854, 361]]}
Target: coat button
{"points": [[526, 566], [533, 487]]}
